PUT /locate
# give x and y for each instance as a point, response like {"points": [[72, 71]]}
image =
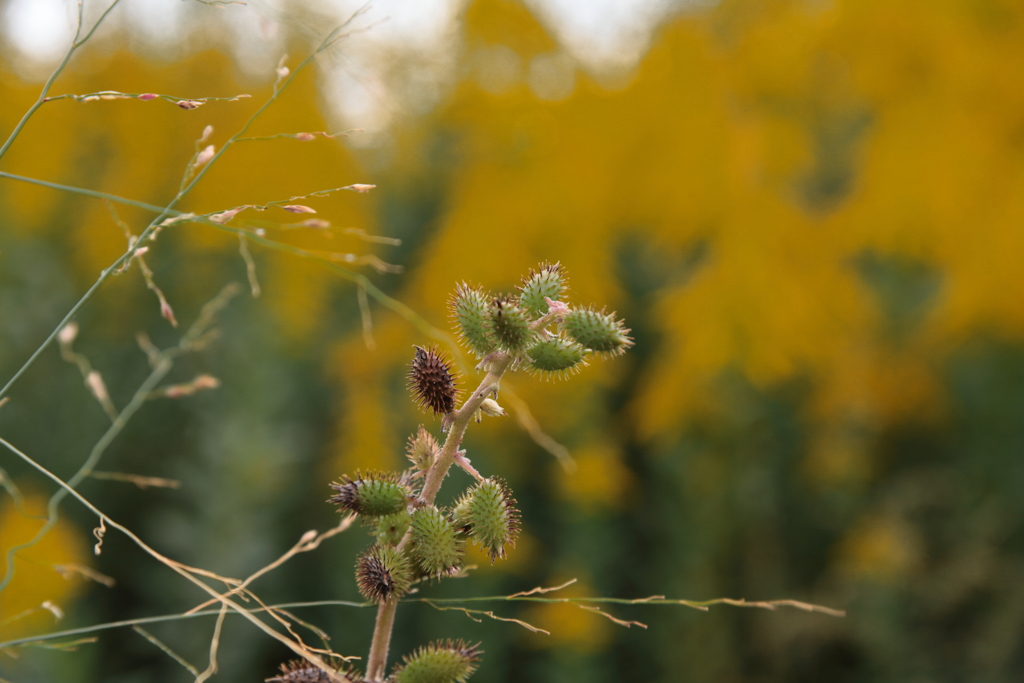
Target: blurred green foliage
{"points": [[808, 212]]}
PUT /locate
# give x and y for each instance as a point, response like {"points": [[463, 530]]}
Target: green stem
{"points": [[140, 397], [183, 570], [84, 630], [163, 213], [162, 363], [56, 72], [88, 193], [361, 280]]}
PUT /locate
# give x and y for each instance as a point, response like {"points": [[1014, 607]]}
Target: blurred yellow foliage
{"points": [[786, 142], [788, 139], [36, 579], [137, 150], [599, 480], [722, 138], [881, 548], [838, 459]]}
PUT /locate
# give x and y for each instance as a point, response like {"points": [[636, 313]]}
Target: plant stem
{"points": [[162, 365], [168, 210], [376, 662], [78, 42], [378, 659]]}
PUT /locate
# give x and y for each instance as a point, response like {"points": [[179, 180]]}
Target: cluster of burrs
{"points": [[415, 540], [449, 661], [536, 328]]}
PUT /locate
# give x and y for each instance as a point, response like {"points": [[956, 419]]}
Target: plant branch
{"points": [[164, 361], [359, 279], [140, 397], [163, 213], [29, 640], [181, 569], [78, 42], [376, 662]]}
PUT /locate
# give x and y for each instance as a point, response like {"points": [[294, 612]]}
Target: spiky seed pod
{"points": [[435, 545], [547, 281], [422, 449], [509, 324], [459, 516], [598, 331], [469, 310], [556, 357], [451, 661], [491, 517], [383, 572], [373, 495], [301, 671], [392, 528], [432, 382]]}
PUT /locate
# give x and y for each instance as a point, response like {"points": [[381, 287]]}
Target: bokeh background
{"points": [[810, 213]]}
